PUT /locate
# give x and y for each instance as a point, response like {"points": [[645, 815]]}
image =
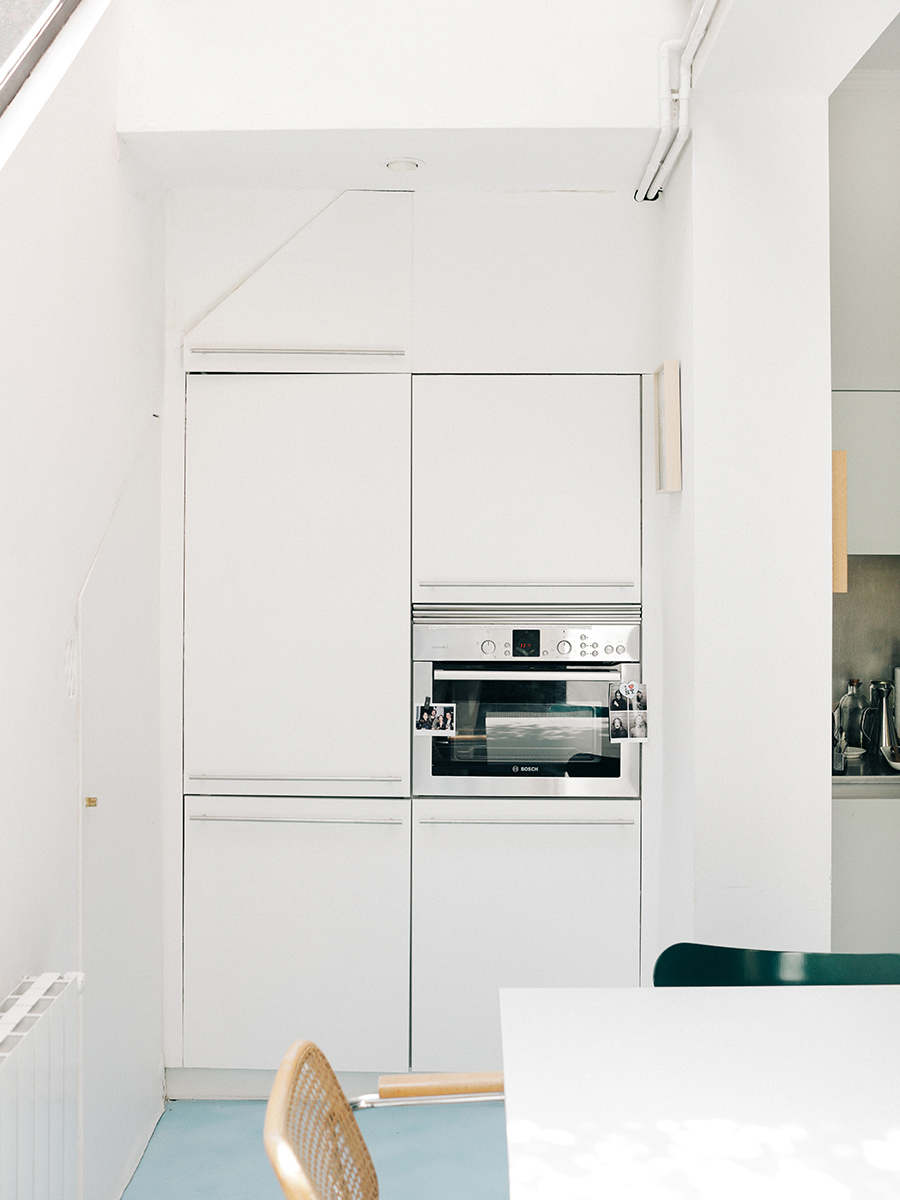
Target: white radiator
{"points": [[39, 1089]]}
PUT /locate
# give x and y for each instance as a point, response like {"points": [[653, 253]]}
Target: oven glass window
{"points": [[527, 727]]}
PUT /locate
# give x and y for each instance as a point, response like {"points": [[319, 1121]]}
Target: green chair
{"points": [[691, 964]]}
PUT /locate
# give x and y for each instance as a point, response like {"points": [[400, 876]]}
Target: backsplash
{"points": [[866, 623]]}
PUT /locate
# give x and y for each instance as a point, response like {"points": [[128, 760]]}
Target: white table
{"points": [[786, 1093]]}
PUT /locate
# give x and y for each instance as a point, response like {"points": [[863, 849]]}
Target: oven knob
{"points": [[564, 647], [620, 649], [608, 650], [584, 654], [488, 647]]}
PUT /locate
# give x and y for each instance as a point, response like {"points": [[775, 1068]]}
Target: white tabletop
{"points": [[786, 1093]]}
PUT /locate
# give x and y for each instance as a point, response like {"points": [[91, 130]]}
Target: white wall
{"points": [[865, 232], [762, 532], [667, 776], [395, 65], [80, 324], [743, 554]]}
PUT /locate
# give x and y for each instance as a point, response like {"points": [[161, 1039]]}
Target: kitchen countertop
{"points": [[870, 771]]}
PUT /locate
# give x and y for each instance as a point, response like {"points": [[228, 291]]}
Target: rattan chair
{"points": [[693, 964], [311, 1136]]}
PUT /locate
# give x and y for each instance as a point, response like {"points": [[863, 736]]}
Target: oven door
{"points": [[519, 730]]}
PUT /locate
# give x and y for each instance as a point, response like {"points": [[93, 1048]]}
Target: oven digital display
{"points": [[526, 643]]}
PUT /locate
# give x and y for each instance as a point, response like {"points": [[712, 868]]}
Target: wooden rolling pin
{"points": [[395, 1087]]}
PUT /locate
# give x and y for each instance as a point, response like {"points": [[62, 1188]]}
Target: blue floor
{"points": [[213, 1150]]}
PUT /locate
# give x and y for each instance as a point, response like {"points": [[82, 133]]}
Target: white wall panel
{"points": [[667, 761], [216, 238], [536, 282], [340, 285], [762, 523], [120, 837]]}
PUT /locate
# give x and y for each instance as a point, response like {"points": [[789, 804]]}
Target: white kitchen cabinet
{"points": [[296, 925], [296, 650], [867, 426], [526, 489], [515, 893]]}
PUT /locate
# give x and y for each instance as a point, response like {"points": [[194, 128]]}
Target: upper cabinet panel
{"points": [[526, 489], [867, 426], [536, 282], [336, 297]]}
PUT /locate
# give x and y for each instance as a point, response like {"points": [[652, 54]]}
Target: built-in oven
{"points": [[518, 704]]}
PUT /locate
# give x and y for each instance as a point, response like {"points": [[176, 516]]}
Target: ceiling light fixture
{"points": [[402, 164]]}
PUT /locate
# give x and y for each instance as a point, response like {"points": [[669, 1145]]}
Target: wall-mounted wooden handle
{"points": [[839, 520]]}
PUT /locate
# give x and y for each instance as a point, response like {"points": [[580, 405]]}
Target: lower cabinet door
{"points": [[296, 925], [515, 893]]}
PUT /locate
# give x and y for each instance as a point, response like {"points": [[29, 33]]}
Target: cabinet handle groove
{"points": [[307, 820], [293, 350], [306, 778], [601, 583], [600, 675], [518, 821]]}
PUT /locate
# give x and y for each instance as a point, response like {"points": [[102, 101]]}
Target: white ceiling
{"points": [[452, 159], [801, 48]]}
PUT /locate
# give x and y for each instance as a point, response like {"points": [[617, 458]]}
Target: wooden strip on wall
{"points": [[839, 520], [667, 397]]}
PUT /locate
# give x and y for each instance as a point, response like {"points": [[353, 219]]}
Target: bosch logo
{"points": [[524, 768]]}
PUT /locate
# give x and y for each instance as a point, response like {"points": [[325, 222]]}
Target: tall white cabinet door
{"points": [[515, 893], [296, 925], [526, 489], [296, 641]]}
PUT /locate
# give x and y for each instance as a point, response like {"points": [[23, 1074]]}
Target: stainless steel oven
{"points": [[516, 703]]}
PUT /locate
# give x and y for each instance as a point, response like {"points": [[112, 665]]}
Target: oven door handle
{"points": [[599, 675]]}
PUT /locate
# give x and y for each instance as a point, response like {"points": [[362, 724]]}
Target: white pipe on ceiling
{"points": [[668, 147], [666, 116]]}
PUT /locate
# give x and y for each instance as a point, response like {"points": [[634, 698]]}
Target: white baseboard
{"points": [[207, 1083]]}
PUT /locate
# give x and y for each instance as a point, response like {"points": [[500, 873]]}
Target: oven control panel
{"points": [[549, 643]]}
